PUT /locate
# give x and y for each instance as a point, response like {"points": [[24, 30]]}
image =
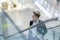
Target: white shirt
{"points": [[34, 30]]}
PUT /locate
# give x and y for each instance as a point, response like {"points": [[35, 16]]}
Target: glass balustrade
{"points": [[11, 33]]}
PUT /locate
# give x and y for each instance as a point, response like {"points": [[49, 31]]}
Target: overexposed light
{"points": [[41, 7], [56, 14], [19, 23], [28, 6], [2, 1]]}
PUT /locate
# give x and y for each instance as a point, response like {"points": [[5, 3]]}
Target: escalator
{"points": [[10, 30]]}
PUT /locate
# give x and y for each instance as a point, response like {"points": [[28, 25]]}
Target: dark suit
{"points": [[40, 28]]}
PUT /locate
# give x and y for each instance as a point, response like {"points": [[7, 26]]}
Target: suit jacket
{"points": [[40, 28]]}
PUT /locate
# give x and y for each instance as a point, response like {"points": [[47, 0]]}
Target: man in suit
{"points": [[41, 30]]}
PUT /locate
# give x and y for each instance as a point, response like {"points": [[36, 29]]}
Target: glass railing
{"points": [[52, 34], [10, 30], [8, 27]]}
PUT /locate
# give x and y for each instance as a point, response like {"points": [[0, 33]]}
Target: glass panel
{"points": [[53, 34], [10, 28], [1, 38], [17, 37], [7, 27], [0, 26]]}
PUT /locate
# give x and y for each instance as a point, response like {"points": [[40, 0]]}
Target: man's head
{"points": [[36, 15]]}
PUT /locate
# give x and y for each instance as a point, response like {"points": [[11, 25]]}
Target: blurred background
{"points": [[16, 14]]}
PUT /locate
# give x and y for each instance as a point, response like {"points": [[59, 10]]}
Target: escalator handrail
{"points": [[23, 31]]}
